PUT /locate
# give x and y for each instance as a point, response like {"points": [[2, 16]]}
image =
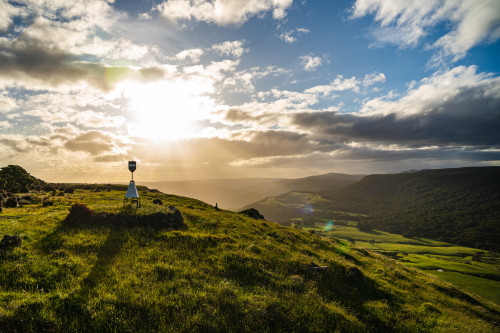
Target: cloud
{"points": [[342, 84], [457, 108], [193, 54], [7, 11], [52, 48], [92, 142], [29, 63], [6, 103], [310, 62], [222, 12], [234, 48], [5, 124], [289, 35], [373, 78], [339, 84], [406, 22]]}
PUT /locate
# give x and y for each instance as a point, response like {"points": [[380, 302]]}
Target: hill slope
{"points": [[235, 193], [453, 205], [120, 269]]}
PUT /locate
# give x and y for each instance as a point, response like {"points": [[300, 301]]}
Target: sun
{"points": [[168, 110]]}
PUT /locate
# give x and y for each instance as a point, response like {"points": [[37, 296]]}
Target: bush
{"points": [[79, 213], [23, 202], [69, 190], [157, 202], [47, 203], [11, 202]]}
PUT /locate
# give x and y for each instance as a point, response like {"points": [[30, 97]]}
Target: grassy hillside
{"points": [[236, 193], [453, 205], [121, 269]]}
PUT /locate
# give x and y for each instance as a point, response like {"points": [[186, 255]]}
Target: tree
{"points": [[14, 178]]}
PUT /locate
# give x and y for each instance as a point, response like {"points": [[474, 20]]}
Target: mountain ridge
{"points": [[457, 205]]}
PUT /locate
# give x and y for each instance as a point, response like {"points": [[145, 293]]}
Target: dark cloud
{"points": [[14, 145], [28, 60], [470, 118], [92, 142]]}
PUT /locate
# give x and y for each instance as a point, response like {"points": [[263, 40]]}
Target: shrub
{"points": [[69, 190], [23, 202], [79, 213], [0, 209], [47, 203], [11, 202], [157, 202]]}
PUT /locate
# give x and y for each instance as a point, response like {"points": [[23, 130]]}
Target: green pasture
{"points": [[482, 278]]}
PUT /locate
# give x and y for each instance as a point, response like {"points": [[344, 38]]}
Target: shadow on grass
{"points": [[73, 310]]}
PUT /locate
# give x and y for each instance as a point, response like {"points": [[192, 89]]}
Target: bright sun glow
{"points": [[168, 110]]}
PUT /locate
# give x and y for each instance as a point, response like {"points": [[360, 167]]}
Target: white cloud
{"points": [[289, 35], [222, 12], [339, 84], [372, 78], [234, 48], [310, 63], [5, 124], [6, 103], [144, 16], [405, 22], [432, 92], [193, 54], [6, 13]]}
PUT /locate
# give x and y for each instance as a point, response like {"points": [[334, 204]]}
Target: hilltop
{"points": [[109, 267], [453, 205]]}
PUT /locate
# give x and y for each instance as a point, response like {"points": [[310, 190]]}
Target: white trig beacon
{"points": [[132, 190]]}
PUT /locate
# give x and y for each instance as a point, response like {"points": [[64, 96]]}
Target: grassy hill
{"points": [[453, 205], [115, 268], [235, 193]]}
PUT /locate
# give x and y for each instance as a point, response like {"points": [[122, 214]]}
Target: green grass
{"points": [[222, 272], [481, 278]]}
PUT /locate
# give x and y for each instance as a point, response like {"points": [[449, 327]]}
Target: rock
{"points": [[9, 242], [253, 213], [172, 219], [354, 275], [316, 268]]}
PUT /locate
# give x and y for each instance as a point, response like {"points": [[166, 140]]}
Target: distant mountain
{"points": [[236, 193], [455, 205]]}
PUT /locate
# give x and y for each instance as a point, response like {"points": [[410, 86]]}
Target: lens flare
{"points": [[329, 225]]}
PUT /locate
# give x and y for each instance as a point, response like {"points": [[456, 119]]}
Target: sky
{"points": [[195, 89]]}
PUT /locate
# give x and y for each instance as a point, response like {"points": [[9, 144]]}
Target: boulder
{"points": [[354, 275], [253, 213]]}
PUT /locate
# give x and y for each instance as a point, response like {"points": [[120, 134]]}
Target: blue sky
{"points": [[245, 88]]}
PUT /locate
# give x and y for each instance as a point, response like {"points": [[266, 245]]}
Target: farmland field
{"points": [[470, 269]]}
